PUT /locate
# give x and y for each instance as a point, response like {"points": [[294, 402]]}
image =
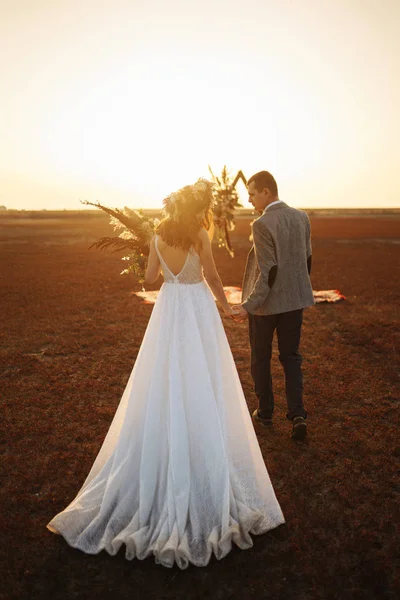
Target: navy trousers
{"points": [[288, 329]]}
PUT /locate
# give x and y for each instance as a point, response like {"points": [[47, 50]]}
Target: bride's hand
{"points": [[239, 313], [229, 312]]}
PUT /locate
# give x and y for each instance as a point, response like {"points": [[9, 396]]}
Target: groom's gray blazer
{"points": [[281, 238]]}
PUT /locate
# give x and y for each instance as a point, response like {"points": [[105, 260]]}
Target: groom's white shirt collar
{"points": [[269, 205]]}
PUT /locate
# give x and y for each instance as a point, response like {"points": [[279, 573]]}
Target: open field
{"points": [[71, 329]]}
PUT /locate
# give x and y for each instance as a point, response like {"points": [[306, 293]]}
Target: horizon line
{"points": [[243, 211]]}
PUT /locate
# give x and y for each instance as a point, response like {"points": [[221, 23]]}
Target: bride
{"points": [[180, 474]]}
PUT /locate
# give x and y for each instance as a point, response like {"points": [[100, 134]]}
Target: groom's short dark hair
{"points": [[264, 179]]}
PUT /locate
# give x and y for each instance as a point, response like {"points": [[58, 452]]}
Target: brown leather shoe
{"points": [[299, 430], [262, 420]]}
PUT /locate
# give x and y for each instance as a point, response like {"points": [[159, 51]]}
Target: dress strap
{"points": [[164, 265]]}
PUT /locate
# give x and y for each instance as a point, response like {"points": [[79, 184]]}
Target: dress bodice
{"points": [[191, 272]]}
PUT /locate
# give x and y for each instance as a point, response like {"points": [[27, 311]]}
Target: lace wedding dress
{"points": [[180, 474]]}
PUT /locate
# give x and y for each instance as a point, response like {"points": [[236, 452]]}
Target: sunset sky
{"points": [[122, 101]]}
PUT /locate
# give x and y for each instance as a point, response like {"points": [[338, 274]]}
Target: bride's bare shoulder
{"points": [[203, 233], [203, 238], [204, 241]]}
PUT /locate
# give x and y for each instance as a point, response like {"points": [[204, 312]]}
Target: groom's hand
{"points": [[240, 313]]}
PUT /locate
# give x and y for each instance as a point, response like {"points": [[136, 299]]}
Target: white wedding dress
{"points": [[180, 474]]}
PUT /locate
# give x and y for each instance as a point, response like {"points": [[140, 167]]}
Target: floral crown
{"points": [[200, 189]]}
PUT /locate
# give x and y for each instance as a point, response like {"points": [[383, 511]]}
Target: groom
{"points": [[276, 288]]}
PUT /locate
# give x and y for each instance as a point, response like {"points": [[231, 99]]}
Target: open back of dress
{"points": [[191, 271]]}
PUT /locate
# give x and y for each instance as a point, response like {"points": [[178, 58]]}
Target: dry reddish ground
{"points": [[71, 329]]}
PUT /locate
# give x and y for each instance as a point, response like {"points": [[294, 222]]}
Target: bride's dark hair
{"points": [[183, 219]]}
